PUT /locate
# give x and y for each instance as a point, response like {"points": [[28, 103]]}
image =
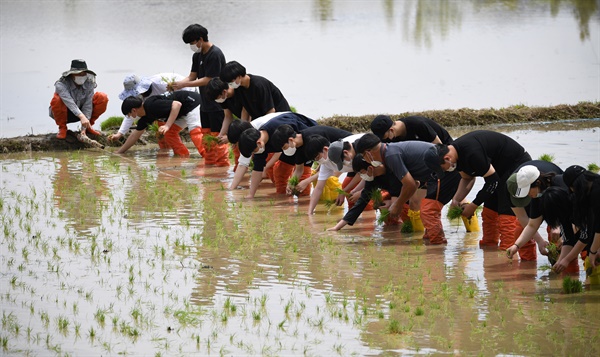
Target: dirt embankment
{"points": [[447, 118]]}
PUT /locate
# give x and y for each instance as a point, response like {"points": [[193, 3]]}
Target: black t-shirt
{"points": [[261, 96], [297, 121], [535, 209], [387, 181], [158, 107], [330, 133], [423, 129], [234, 104], [208, 64], [479, 149]]}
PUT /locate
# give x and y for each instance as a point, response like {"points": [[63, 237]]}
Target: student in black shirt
{"points": [[493, 156], [175, 109]]}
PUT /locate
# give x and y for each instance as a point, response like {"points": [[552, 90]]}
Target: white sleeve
{"points": [[244, 161], [126, 125], [325, 172]]}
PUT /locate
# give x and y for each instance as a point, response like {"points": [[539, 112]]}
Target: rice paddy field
{"points": [[148, 254]]}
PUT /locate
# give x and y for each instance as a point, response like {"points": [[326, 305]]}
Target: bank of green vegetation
{"points": [[448, 118]]}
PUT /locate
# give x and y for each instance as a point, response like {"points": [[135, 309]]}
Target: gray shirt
{"points": [[407, 156], [78, 99]]}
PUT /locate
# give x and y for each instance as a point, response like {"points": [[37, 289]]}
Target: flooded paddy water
{"points": [[149, 254]]}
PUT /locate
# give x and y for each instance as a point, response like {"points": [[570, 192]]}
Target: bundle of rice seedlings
{"points": [[547, 157], [340, 191], [593, 167], [210, 141], [86, 140], [571, 286], [293, 182], [329, 203], [377, 198], [553, 253], [383, 215], [407, 227], [454, 212], [169, 82]]}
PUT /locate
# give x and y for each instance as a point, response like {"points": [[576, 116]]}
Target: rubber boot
{"points": [[174, 141], [431, 216], [221, 153], [59, 112], [491, 234], [162, 143], [471, 223], [528, 250], [99, 103], [415, 220], [507, 225], [282, 171], [593, 274], [306, 174], [207, 153]]}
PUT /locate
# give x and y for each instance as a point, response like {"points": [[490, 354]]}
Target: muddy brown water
{"points": [[148, 254]]}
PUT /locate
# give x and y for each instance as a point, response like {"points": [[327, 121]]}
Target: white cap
{"points": [[525, 177]]}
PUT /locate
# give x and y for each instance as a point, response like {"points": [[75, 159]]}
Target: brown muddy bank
{"points": [[447, 118]]}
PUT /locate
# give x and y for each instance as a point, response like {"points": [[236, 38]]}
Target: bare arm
{"points": [[409, 187], [316, 195], [255, 180], [130, 141]]}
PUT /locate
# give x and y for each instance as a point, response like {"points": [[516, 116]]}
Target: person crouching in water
{"points": [[176, 108], [74, 99]]}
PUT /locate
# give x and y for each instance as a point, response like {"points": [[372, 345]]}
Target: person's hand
{"points": [[302, 185], [176, 86], [469, 210], [162, 130], [354, 196], [542, 247], [223, 139], [340, 199], [114, 137], [85, 123], [264, 174], [560, 266], [511, 251]]}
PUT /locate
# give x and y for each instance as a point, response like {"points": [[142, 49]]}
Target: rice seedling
{"points": [[593, 167], [553, 253], [571, 286], [454, 212], [210, 141], [383, 216], [293, 181], [547, 157], [407, 227]]}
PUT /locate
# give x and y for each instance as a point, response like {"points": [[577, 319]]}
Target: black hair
{"points": [[247, 143], [314, 145], [556, 206], [214, 88], [193, 33], [359, 163], [366, 142], [130, 103], [583, 212], [231, 71], [544, 180], [281, 135], [236, 128]]}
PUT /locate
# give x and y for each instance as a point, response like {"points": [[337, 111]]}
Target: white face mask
{"points": [[220, 100], [290, 151], [539, 195], [322, 160], [347, 163], [79, 80], [195, 48], [366, 177], [260, 150], [452, 166], [375, 163], [136, 118], [233, 85]]}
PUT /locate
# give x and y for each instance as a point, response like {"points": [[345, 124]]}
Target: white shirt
{"points": [[328, 168], [256, 124]]}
